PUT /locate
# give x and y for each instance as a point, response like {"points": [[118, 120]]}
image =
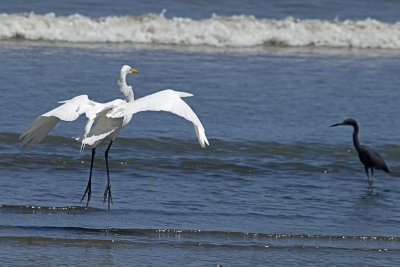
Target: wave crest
{"points": [[217, 31]]}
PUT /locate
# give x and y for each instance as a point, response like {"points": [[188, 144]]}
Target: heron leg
{"points": [[88, 190], [366, 171], [372, 177], [107, 192]]}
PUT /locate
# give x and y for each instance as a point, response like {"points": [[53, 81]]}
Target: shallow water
{"points": [[277, 185]]}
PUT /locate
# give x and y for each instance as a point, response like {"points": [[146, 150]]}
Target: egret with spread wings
{"points": [[110, 118]]}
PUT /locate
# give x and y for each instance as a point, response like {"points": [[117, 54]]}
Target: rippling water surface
{"points": [[276, 186]]}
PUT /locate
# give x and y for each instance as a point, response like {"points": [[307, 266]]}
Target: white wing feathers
{"points": [[105, 127], [109, 116], [69, 111], [166, 100], [37, 131]]}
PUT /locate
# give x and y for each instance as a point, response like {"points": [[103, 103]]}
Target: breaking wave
{"points": [[216, 31]]}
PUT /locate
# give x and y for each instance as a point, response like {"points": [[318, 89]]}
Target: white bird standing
{"points": [[111, 117]]}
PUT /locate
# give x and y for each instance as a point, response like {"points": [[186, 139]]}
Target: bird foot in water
{"points": [[107, 193], [371, 186], [88, 191]]}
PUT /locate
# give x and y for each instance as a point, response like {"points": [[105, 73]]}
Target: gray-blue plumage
{"points": [[369, 157]]}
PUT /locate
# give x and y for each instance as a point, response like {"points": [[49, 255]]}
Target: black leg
{"points": [[107, 192], [372, 176], [89, 185], [366, 171]]}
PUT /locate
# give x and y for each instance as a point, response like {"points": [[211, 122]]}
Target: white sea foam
{"points": [[218, 31]]}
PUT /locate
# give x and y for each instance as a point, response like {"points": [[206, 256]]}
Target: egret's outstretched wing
{"points": [[104, 126], [69, 111], [166, 100]]}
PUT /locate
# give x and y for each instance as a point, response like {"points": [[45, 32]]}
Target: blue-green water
{"points": [[276, 186]]}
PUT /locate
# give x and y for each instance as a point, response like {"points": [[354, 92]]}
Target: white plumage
{"points": [[110, 118], [166, 100]]}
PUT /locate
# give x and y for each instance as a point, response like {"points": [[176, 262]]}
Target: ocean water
{"points": [[276, 186]]}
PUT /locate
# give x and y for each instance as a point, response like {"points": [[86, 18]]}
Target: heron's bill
{"points": [[133, 70], [337, 124]]}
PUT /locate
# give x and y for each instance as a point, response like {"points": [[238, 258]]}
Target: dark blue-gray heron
{"points": [[369, 157]]}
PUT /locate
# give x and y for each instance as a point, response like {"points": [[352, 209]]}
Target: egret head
{"points": [[349, 121], [127, 69]]}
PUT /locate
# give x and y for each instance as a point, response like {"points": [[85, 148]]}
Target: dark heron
{"points": [[369, 157]]}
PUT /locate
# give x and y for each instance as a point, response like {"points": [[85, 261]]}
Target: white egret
{"points": [[110, 118]]}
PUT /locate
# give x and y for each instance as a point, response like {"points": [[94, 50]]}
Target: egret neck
{"points": [[125, 89]]}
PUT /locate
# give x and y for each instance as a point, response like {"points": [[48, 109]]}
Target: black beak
{"points": [[337, 124]]}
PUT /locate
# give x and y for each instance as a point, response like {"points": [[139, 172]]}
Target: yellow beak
{"points": [[133, 70]]}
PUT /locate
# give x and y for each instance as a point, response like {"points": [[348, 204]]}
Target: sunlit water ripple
{"points": [[276, 186]]}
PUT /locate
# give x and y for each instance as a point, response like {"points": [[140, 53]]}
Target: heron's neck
{"points": [[355, 137], [125, 89]]}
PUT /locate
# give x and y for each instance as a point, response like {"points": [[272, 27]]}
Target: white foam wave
{"points": [[218, 31]]}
